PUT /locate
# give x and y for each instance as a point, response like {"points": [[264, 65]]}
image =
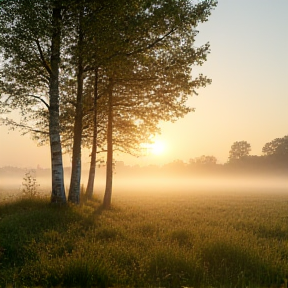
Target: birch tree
{"points": [[30, 43], [145, 48]]}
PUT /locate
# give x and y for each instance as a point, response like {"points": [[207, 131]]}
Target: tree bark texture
{"points": [[109, 164], [74, 190], [92, 170], [58, 190]]}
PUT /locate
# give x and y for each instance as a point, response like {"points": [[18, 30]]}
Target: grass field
{"points": [[173, 239]]}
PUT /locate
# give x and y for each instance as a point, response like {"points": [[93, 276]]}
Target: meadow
{"points": [[161, 238]]}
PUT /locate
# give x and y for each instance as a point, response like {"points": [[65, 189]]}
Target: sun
{"points": [[154, 148], [157, 148]]}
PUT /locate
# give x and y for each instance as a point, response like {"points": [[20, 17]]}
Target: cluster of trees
{"points": [[275, 150], [274, 159], [274, 156], [97, 74]]}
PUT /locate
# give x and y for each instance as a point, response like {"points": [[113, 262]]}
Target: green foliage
{"points": [[143, 52], [30, 185], [172, 268], [196, 240]]}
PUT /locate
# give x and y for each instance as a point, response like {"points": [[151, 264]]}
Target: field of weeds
{"points": [[154, 240]]}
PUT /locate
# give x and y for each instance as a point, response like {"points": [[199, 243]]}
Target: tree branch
{"points": [[139, 50], [39, 98], [45, 64], [151, 45], [11, 122], [124, 80]]}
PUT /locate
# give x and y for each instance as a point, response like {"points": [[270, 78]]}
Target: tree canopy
{"points": [[239, 149], [143, 52], [277, 147]]}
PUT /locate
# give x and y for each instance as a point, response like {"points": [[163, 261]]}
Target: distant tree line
{"points": [[274, 158], [274, 154]]}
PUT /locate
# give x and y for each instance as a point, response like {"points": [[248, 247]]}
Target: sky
{"points": [[247, 100]]}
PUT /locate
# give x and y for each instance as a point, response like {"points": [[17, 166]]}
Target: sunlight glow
{"points": [[157, 148]]}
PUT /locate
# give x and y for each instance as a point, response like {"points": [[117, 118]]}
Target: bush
{"points": [[30, 186]]}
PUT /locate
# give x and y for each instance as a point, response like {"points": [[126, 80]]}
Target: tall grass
{"points": [[153, 241]]}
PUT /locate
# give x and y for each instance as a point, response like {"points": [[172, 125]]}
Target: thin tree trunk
{"points": [[58, 190], [74, 190], [92, 170], [109, 164]]}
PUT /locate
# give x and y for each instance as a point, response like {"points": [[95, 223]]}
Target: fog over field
{"points": [[135, 181]]}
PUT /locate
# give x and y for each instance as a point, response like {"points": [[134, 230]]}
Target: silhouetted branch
{"points": [[42, 57], [39, 98]]}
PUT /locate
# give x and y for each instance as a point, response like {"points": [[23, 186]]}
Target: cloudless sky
{"points": [[247, 100]]}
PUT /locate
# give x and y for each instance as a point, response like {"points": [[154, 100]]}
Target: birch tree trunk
{"points": [[58, 191], [109, 164], [74, 190], [92, 170]]}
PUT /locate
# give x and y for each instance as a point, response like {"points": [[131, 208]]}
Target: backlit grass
{"points": [[175, 240]]}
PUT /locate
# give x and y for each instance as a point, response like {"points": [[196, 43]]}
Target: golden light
{"points": [[158, 147], [154, 148]]}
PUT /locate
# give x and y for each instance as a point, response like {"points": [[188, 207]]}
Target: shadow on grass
{"points": [[238, 267], [44, 245], [33, 229]]}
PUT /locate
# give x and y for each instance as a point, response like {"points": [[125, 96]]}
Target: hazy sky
{"points": [[247, 100]]}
